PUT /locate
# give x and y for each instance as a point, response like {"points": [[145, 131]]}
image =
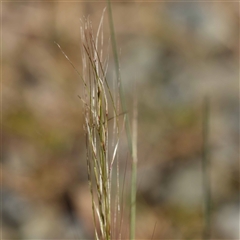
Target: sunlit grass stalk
{"points": [[98, 100], [132, 148], [206, 170]]}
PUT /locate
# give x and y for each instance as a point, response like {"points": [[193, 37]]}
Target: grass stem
{"points": [[206, 170], [118, 74], [134, 169]]}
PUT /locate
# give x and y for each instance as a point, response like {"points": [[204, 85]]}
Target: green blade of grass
{"points": [[118, 74], [132, 149], [206, 170]]}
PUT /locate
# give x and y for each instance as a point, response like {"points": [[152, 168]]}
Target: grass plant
{"points": [[101, 105]]}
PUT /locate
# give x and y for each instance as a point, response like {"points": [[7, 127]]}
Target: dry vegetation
{"points": [[177, 53]]}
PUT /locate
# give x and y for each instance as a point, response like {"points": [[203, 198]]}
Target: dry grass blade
{"points": [[97, 101]]}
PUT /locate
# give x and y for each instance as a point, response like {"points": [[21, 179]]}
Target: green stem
{"points": [[206, 170], [118, 75], [132, 146]]}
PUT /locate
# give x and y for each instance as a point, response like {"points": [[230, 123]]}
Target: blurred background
{"points": [[178, 53]]}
